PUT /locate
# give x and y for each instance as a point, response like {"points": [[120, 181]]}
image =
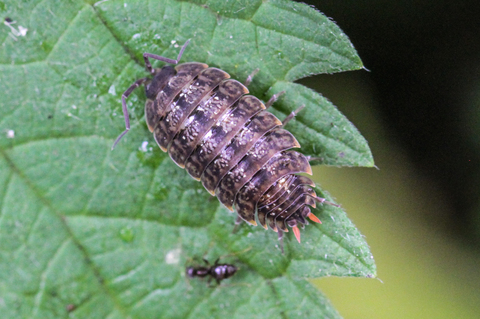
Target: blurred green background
{"points": [[419, 109]]}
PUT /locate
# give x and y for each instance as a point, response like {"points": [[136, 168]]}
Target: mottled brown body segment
{"points": [[291, 204], [185, 103], [204, 117], [273, 203], [238, 148], [268, 204], [283, 203], [263, 150], [300, 215], [298, 204], [221, 134], [280, 191], [277, 190], [285, 163]]}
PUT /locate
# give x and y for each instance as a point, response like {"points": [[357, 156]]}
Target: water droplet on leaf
{"points": [[126, 233]]}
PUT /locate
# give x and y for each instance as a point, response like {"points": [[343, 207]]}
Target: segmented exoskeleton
{"points": [[226, 139]]}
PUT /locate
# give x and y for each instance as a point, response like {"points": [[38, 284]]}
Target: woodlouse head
{"points": [[159, 81]]}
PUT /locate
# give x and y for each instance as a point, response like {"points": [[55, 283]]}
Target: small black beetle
{"points": [[218, 271]]}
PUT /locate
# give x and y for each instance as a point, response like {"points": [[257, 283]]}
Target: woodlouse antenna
{"points": [[139, 82], [148, 65], [125, 95]]}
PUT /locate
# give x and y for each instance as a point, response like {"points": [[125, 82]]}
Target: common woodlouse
{"points": [[228, 141], [216, 271]]}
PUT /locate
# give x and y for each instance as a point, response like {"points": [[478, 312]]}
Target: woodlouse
{"points": [[216, 271], [227, 140]]}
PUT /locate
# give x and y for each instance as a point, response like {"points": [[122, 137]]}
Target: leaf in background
{"points": [[110, 233]]}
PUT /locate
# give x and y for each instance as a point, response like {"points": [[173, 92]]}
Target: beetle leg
{"points": [[292, 115], [125, 95], [250, 77], [274, 98], [148, 65], [209, 282]]}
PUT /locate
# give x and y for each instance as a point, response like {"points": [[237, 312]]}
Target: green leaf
{"points": [[108, 234]]}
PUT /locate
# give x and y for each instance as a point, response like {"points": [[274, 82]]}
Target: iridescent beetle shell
{"points": [[226, 139]]}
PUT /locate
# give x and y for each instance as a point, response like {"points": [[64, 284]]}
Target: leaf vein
{"points": [[63, 33], [43, 277], [88, 261]]}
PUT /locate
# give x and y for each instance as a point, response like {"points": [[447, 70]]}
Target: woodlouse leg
{"points": [[250, 77], [238, 221], [274, 98], [280, 239], [311, 158], [125, 95], [148, 65], [323, 200], [292, 115]]}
